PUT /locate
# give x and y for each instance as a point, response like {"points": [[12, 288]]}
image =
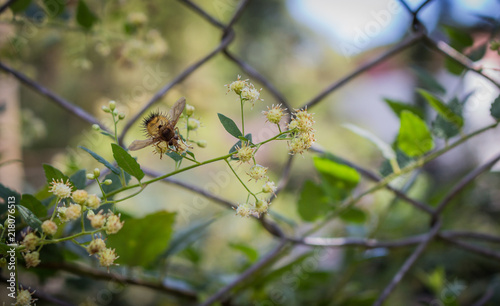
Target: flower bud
{"points": [[189, 110], [93, 201], [95, 246], [96, 127], [23, 298], [193, 124], [79, 196], [97, 172], [90, 176], [121, 116], [106, 109], [112, 105], [108, 182], [202, 143], [32, 259], [49, 227], [30, 241]]}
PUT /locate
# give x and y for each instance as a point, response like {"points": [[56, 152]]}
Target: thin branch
{"points": [[458, 57], [463, 183], [6, 5], [203, 14], [408, 264], [256, 75], [114, 277], [39, 294], [469, 235], [473, 248], [247, 274], [179, 78], [360, 242], [52, 96], [374, 62]]}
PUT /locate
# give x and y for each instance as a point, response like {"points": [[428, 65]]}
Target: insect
{"points": [[160, 129]]}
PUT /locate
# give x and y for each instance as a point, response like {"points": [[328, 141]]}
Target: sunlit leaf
{"points": [[414, 138]]}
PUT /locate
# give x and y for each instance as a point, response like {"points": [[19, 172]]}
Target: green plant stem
{"points": [[159, 178], [55, 209], [104, 196], [239, 179], [242, 117], [70, 237]]}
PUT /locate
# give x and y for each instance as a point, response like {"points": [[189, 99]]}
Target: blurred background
{"points": [[301, 47]]}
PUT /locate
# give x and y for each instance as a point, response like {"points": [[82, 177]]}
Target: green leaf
{"points": [[385, 148], [79, 179], [52, 173], [397, 107], [175, 156], [54, 8], [459, 39], [19, 6], [453, 66], [229, 125], [238, 144], [442, 109], [250, 253], [495, 108], [478, 53], [101, 160], [29, 217], [108, 134], [414, 138], [441, 127], [402, 159], [428, 80], [34, 205], [141, 241], [353, 215], [341, 177], [127, 162], [84, 16], [313, 202], [183, 238], [190, 154]]}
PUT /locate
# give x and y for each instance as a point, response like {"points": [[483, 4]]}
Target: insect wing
{"points": [[176, 111], [140, 144]]}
